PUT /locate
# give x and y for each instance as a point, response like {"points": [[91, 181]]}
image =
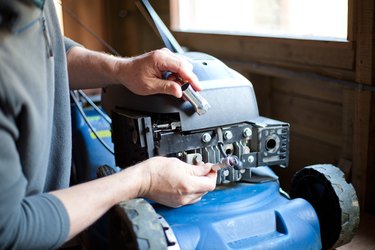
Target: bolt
{"points": [[250, 159], [247, 132], [228, 135], [197, 158], [206, 137], [123, 13], [226, 172]]}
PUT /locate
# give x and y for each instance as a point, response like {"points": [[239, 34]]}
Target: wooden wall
{"points": [[324, 90], [85, 21], [117, 23]]}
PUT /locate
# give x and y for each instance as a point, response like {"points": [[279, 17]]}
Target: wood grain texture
{"points": [[90, 13]]}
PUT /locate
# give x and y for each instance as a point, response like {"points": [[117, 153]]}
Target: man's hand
{"points": [[143, 74], [168, 181], [174, 183]]}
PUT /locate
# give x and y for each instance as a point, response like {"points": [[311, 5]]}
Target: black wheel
{"points": [[135, 225], [334, 200]]}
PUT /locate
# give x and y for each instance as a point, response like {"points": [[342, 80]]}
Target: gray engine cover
{"points": [[230, 95]]}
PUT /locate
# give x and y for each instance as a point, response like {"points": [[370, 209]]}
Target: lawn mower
{"points": [[221, 125]]}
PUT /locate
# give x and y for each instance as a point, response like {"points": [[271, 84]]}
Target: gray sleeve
{"points": [[69, 44], [38, 221]]}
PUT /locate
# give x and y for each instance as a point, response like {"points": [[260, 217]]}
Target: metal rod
{"points": [[200, 104]]}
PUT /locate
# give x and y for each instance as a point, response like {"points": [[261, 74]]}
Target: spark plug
{"points": [[200, 104]]}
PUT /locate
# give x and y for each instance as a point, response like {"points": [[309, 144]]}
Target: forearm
{"points": [[143, 74], [90, 69], [87, 202]]}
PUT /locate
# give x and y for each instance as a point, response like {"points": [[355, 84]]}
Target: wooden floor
{"points": [[365, 237]]}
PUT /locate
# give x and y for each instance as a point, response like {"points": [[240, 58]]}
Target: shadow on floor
{"points": [[365, 237]]}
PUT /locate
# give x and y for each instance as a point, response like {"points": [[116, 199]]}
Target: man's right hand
{"points": [[174, 183]]}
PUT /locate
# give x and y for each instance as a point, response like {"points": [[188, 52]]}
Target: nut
{"points": [[247, 132], [206, 137], [228, 135]]}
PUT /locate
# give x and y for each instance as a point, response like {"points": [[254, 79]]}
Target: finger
{"points": [[167, 87], [181, 66], [201, 169], [212, 175], [195, 200], [201, 184], [190, 77]]}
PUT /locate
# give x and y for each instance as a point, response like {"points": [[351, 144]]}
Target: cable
{"points": [[97, 109], [82, 112], [220, 143], [90, 31]]}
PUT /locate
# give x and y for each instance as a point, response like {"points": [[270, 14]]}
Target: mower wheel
{"points": [[134, 224], [334, 200]]}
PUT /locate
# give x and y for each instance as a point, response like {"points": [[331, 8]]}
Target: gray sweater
{"points": [[35, 133]]}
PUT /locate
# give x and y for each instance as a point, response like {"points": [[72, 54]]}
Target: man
{"points": [[37, 208]]}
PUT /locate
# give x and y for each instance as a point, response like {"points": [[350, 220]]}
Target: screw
{"points": [[228, 135], [206, 137], [250, 159], [247, 132]]}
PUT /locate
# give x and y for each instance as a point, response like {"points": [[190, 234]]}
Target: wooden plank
{"points": [[313, 53], [347, 123], [131, 34], [305, 151], [262, 89], [293, 73], [299, 71], [79, 13], [365, 39], [370, 188], [340, 74], [363, 136], [309, 88], [352, 15], [161, 6], [312, 118], [361, 128], [118, 14]]}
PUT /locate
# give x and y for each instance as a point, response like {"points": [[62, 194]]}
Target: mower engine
{"points": [[162, 125]]}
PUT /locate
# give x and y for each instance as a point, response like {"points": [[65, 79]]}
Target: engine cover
{"points": [[147, 126]]}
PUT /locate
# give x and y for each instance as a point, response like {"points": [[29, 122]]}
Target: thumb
{"points": [[169, 87]]}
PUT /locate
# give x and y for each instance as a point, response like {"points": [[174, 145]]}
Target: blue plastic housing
{"points": [[245, 216], [234, 216]]}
